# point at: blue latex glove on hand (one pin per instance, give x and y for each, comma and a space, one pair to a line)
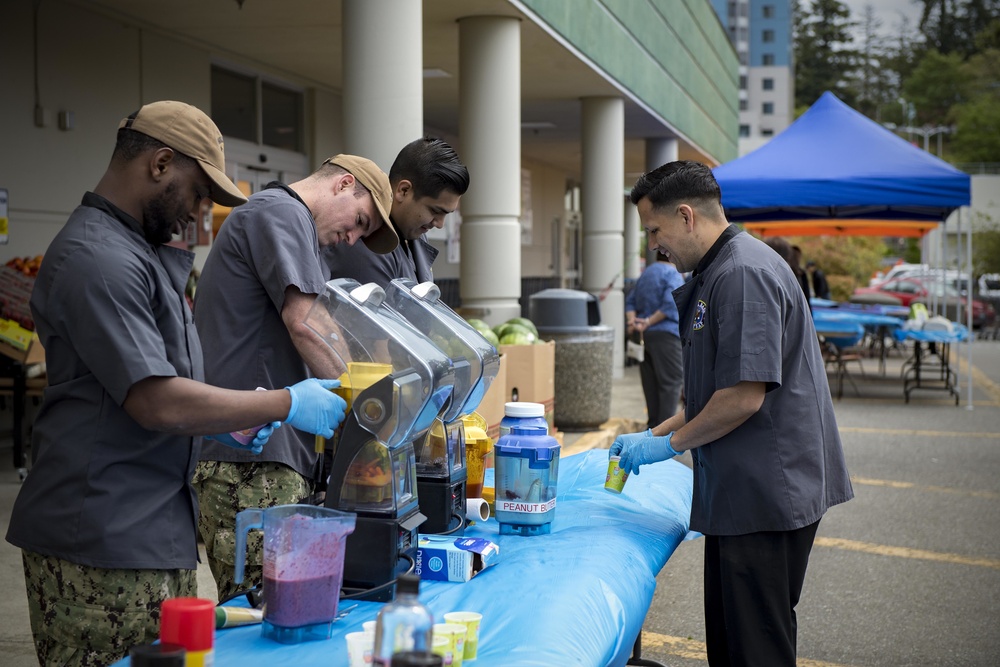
315, 409
256, 446
639, 449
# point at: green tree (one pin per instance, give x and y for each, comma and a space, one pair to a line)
937, 84
824, 59
950, 26
985, 244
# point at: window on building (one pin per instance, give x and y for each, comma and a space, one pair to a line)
767, 11
743, 82
744, 130
767, 59
732, 9
767, 36
767, 84
244, 107
744, 105
745, 10
281, 117
767, 108
744, 34
743, 57
732, 33
766, 132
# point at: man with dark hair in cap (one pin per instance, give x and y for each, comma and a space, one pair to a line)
260, 280
428, 179
107, 517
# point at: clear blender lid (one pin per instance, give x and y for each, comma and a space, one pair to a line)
369, 341
421, 305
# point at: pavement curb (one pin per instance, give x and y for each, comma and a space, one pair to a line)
603, 437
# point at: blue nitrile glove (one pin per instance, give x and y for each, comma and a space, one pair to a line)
627, 440
315, 409
256, 446
643, 450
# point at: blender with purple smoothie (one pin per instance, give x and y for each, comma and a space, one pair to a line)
303, 567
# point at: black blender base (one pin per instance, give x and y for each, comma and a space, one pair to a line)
377, 551
442, 501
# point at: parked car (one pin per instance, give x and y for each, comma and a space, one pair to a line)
924, 273
908, 291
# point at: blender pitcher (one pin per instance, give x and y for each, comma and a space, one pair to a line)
303, 567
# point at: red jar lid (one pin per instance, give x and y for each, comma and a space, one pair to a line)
189, 622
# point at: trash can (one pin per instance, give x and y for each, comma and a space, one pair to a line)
584, 356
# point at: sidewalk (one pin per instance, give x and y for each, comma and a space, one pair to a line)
883, 393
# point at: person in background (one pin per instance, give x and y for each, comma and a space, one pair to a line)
650, 311
106, 519
258, 284
787, 252
820, 288
758, 418
428, 180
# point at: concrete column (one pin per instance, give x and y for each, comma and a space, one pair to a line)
633, 241
383, 100
489, 50
658, 153
603, 146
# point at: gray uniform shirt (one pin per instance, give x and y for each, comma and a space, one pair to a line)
264, 246
410, 259
744, 318
110, 310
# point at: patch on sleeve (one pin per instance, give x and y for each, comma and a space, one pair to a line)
700, 310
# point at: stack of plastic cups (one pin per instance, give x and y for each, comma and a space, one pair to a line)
190, 622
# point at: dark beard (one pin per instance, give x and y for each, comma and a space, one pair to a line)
158, 218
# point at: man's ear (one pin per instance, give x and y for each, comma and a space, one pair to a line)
159, 161
687, 213
345, 182
403, 188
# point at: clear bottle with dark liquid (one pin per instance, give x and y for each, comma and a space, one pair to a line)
404, 624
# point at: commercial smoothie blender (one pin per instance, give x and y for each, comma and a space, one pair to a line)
396, 383
440, 456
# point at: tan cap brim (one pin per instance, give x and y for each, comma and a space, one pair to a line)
224, 191
384, 239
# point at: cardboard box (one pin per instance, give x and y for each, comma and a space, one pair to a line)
446, 558
20, 344
491, 407
531, 371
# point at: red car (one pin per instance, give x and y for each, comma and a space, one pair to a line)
907, 291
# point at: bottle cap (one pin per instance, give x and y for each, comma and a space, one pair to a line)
408, 583
416, 659
189, 622
157, 655
522, 409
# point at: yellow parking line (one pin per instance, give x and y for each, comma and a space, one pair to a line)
917, 432
694, 650
904, 552
893, 484
979, 379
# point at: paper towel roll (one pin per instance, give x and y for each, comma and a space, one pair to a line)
477, 509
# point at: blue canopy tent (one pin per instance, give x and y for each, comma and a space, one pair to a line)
835, 172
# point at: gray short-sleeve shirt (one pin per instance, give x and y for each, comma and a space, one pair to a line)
109, 309
744, 318
264, 246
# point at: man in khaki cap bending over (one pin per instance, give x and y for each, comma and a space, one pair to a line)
259, 282
107, 517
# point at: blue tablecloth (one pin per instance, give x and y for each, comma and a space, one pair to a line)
575, 597
958, 334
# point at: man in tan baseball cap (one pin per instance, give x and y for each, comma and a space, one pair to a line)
189, 130
259, 282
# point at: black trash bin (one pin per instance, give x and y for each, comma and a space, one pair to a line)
584, 356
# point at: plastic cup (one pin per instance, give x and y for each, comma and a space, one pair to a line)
471, 620
369, 626
615, 481
441, 645
456, 638
360, 648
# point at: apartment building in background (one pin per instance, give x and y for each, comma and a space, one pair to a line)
761, 33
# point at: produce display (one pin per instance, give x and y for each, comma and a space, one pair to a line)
515, 331
16, 283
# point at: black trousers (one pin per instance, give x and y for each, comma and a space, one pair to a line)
662, 375
752, 584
